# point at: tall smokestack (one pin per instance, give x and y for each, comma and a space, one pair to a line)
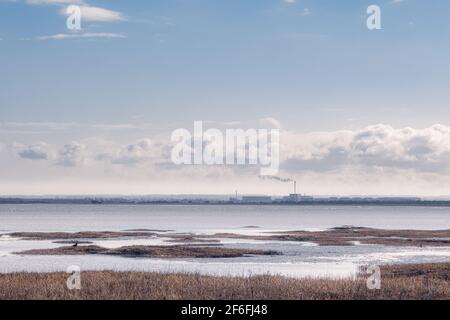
295, 187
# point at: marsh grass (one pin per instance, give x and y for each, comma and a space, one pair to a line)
176, 251
398, 282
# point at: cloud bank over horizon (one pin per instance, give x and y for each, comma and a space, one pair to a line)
377, 159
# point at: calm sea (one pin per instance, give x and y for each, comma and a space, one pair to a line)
206, 218
297, 259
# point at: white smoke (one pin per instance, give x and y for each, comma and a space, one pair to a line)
276, 178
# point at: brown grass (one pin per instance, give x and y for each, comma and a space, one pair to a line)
346, 236
80, 235
175, 251
398, 282
342, 236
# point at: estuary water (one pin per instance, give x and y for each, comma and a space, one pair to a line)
298, 259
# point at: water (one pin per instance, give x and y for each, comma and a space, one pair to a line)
298, 259
205, 218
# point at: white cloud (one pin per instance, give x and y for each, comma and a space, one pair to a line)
378, 159
142, 151
89, 13
379, 146
38, 151
289, 1
72, 154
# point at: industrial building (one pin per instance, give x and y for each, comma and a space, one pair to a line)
291, 198
296, 197
257, 199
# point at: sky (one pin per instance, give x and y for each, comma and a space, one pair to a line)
360, 112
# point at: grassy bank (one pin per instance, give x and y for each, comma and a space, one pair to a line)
430, 281
175, 251
341, 236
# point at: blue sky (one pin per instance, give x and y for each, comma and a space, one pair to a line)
230, 60
312, 65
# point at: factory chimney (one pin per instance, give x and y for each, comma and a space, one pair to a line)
295, 187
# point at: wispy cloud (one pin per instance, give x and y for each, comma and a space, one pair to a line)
49, 2
26, 127
88, 35
88, 12
305, 12
270, 122
97, 14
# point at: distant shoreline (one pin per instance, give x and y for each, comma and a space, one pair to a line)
316, 202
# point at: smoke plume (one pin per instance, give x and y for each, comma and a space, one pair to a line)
276, 178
